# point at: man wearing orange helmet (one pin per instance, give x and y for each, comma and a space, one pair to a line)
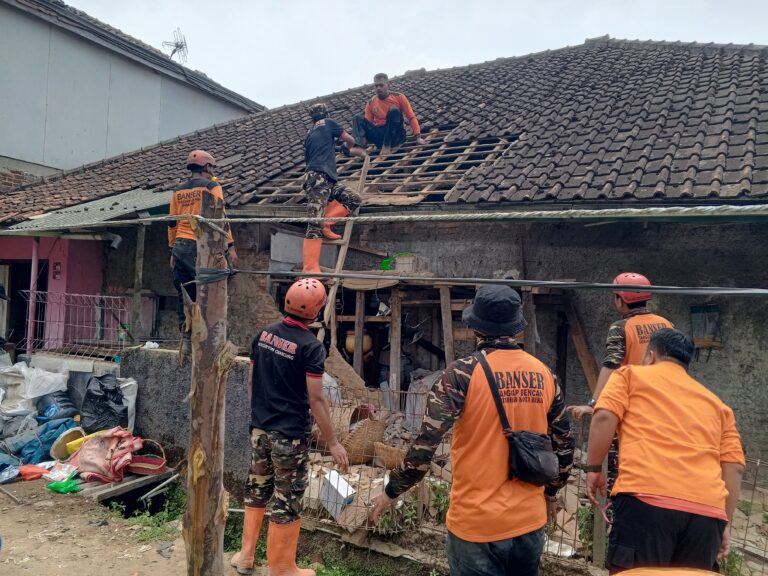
286, 383
187, 199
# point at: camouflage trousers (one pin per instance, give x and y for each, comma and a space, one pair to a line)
278, 476
320, 190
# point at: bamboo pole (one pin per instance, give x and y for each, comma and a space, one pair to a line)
212, 356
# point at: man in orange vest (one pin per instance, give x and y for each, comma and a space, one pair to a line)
382, 123
495, 525
186, 199
681, 461
626, 343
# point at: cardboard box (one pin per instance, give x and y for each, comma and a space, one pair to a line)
335, 493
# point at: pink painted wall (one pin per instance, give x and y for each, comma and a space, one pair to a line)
74, 267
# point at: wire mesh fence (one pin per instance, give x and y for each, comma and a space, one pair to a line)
76, 324
749, 529
376, 427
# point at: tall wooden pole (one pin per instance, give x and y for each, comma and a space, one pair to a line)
212, 356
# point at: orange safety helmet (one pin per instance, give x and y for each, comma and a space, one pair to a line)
630, 297
200, 158
305, 298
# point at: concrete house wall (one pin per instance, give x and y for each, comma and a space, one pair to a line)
68, 102
674, 254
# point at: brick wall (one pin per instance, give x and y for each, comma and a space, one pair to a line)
11, 178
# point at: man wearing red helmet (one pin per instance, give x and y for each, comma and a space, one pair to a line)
627, 338
286, 383
187, 199
625, 345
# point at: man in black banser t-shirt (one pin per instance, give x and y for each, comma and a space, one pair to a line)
326, 196
286, 384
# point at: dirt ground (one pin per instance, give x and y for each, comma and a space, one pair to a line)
64, 535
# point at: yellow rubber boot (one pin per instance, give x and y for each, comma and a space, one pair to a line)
243, 561
311, 254
334, 208
282, 541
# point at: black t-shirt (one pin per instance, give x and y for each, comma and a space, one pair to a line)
320, 149
283, 354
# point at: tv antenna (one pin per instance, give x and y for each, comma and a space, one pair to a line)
178, 46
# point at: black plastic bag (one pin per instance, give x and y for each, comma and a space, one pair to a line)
56, 405
103, 407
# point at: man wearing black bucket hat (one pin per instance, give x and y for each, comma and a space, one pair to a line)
495, 524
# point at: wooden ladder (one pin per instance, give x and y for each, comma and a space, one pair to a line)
343, 245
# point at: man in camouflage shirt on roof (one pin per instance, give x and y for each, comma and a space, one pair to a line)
495, 525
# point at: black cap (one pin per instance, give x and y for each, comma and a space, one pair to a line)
495, 311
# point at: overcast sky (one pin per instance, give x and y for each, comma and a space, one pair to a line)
281, 51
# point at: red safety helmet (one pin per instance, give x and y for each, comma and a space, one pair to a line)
305, 298
200, 158
629, 297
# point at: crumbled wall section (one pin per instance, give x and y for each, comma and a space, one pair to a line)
668, 253
251, 306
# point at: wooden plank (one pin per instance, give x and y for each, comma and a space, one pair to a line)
446, 314
101, 492
395, 341
353, 318
138, 280
331, 304
357, 362
465, 334
586, 359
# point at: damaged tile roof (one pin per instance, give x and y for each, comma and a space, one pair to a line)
606, 121
70, 18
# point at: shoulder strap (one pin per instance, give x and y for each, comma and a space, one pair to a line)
506, 428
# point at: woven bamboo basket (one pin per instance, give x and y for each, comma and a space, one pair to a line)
389, 457
359, 443
341, 418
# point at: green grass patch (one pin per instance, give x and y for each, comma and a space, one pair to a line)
745, 507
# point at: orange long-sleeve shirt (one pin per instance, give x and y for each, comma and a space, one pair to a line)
186, 199
376, 110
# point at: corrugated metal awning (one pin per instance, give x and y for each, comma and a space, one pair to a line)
91, 213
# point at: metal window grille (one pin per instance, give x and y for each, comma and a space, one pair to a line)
76, 324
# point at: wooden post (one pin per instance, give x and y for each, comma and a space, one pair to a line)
138, 281
212, 356
357, 362
395, 338
586, 359
531, 331
447, 318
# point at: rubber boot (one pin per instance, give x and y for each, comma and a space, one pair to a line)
311, 254
282, 541
243, 561
333, 209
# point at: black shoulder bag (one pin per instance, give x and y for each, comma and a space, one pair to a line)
531, 458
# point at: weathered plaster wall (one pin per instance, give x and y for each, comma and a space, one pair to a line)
163, 414
675, 254
250, 306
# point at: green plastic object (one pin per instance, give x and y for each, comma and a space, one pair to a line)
386, 264
66, 486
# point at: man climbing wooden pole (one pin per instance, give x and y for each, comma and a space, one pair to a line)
212, 356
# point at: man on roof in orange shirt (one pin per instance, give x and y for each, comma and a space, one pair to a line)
680, 464
626, 343
382, 123
186, 199
495, 524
